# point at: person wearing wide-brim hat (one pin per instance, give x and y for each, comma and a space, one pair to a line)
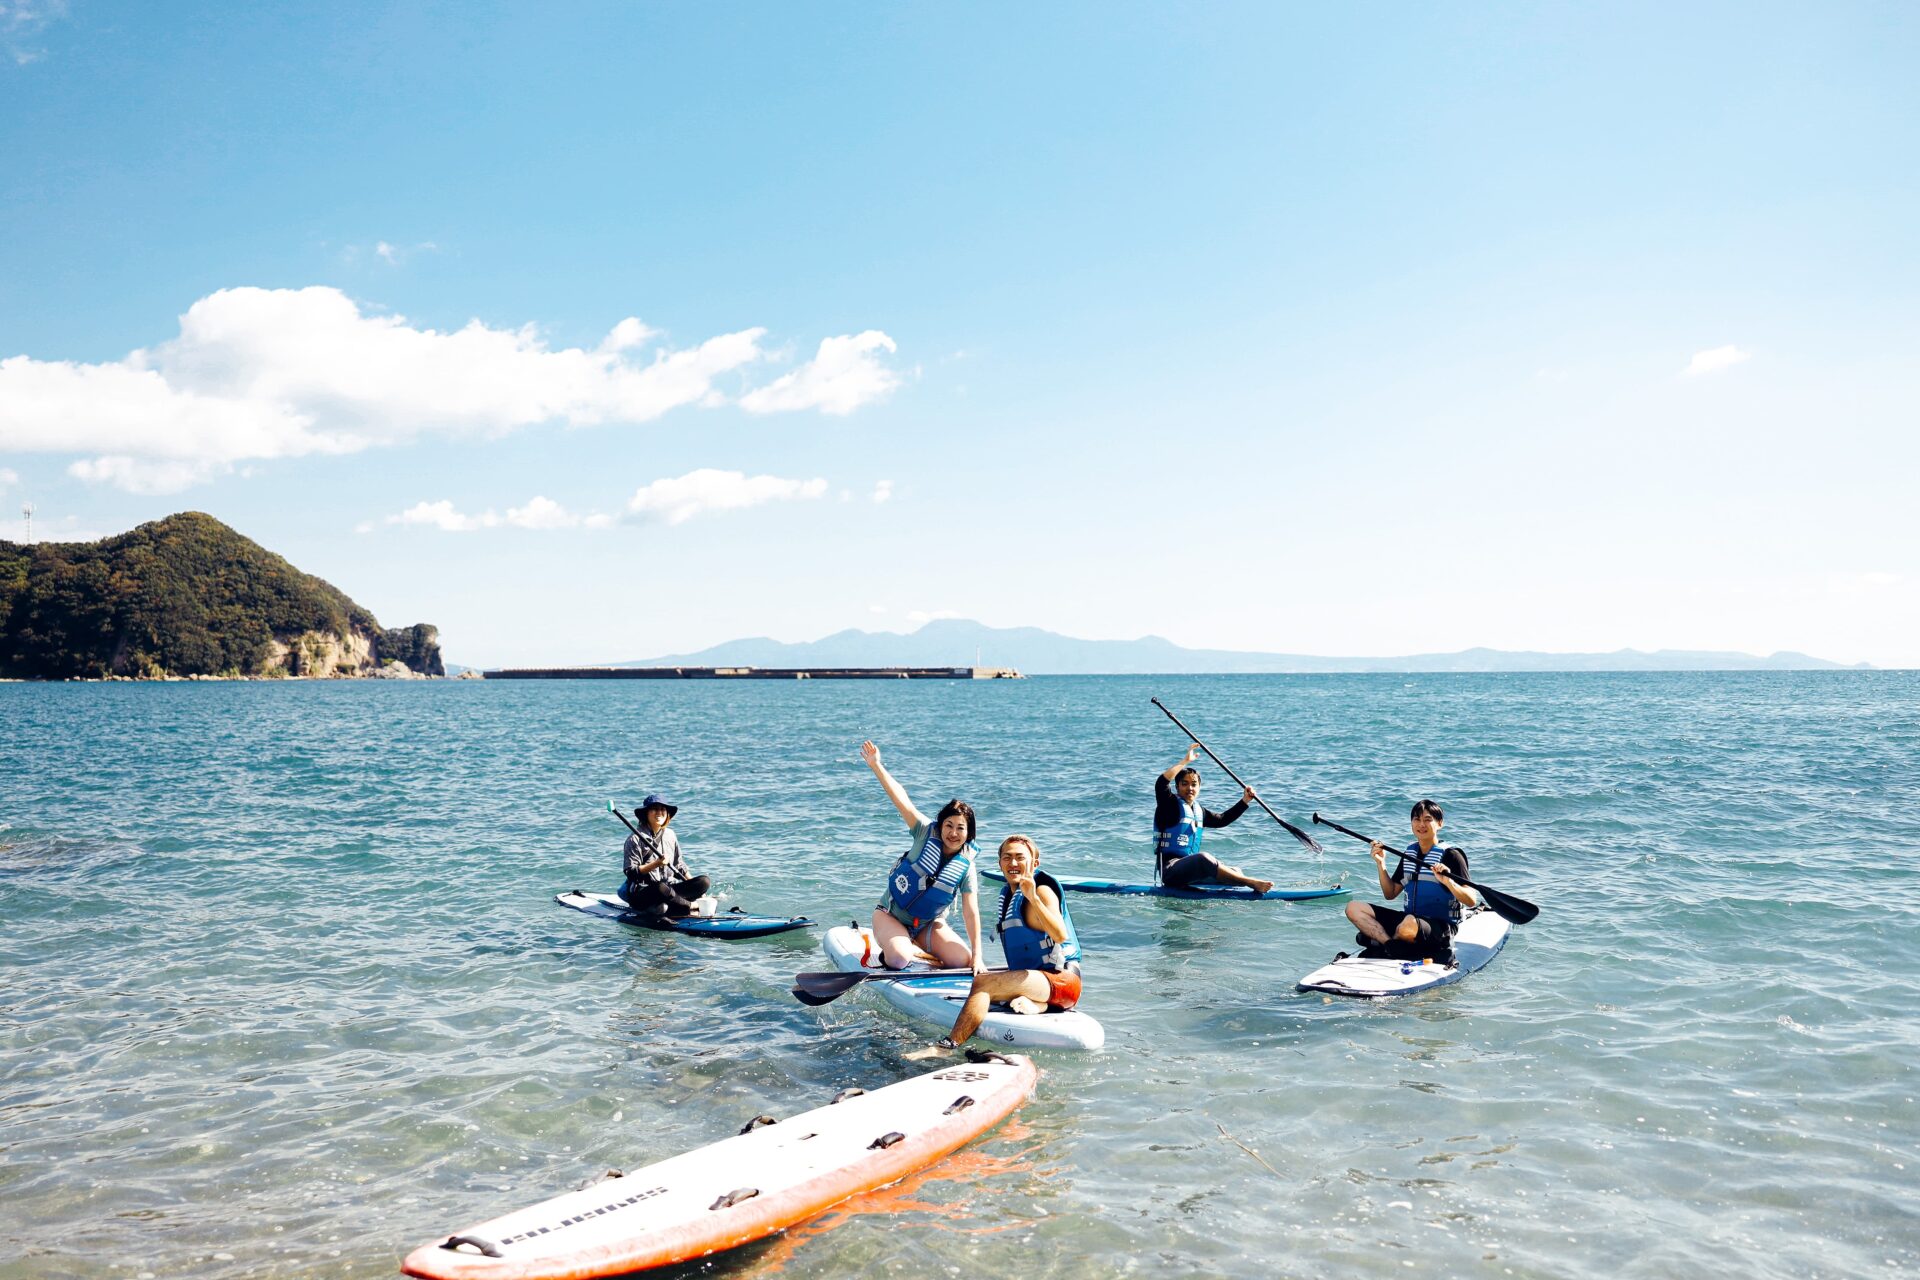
657, 875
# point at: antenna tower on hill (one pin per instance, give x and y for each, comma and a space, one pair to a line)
27, 511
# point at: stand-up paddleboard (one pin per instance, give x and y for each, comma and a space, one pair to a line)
732, 924
935, 1002
1478, 939
1233, 892
771, 1176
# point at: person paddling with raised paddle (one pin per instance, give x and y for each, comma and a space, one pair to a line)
1430, 875
1042, 946
1179, 822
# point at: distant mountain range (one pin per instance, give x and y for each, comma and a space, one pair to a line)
957, 642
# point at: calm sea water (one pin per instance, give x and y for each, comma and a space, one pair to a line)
283, 991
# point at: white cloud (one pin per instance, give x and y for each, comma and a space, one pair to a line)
21, 21
144, 475
883, 490
1865, 582
8, 479
441, 515
394, 254
285, 373
542, 513
678, 500
1716, 360
843, 375
539, 513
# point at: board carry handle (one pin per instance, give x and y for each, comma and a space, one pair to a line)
758, 1122
960, 1103
486, 1247
886, 1140
733, 1198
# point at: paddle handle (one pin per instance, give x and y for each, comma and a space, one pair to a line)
623, 818
1345, 831
1296, 832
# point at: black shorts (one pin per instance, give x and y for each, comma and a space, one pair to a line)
1195, 868
1436, 936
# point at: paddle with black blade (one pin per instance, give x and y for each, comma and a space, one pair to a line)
1505, 905
828, 986
1292, 830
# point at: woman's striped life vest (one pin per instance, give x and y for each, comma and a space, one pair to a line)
921, 886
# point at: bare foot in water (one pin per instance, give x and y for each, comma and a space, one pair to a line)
1260, 886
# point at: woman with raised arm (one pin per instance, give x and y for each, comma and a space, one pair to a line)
937, 868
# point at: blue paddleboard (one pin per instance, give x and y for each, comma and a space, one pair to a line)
734, 924
1238, 893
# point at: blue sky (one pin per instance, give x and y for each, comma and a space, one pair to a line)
624, 329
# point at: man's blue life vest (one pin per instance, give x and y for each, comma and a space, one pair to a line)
1031, 948
920, 886
1183, 837
1426, 896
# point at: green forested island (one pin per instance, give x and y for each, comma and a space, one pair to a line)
187, 596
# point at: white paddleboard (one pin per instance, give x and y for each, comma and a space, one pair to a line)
740, 1189
935, 1002
1479, 938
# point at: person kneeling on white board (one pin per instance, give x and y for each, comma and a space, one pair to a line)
1428, 873
657, 877
1043, 949
936, 872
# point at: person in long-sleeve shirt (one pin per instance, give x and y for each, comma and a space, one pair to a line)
1179, 822
657, 878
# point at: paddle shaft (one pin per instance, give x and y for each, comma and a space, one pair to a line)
1508, 907
1292, 830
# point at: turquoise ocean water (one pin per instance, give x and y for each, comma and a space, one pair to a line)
283, 991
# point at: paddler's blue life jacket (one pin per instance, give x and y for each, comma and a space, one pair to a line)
920, 886
1426, 896
1031, 948
1183, 837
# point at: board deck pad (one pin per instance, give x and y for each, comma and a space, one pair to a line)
935, 1002
765, 1179
731, 924
1478, 940
1202, 893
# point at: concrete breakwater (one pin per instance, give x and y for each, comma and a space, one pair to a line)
754, 673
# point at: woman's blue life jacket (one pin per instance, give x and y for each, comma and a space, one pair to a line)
1183, 837
1031, 948
1426, 896
920, 886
